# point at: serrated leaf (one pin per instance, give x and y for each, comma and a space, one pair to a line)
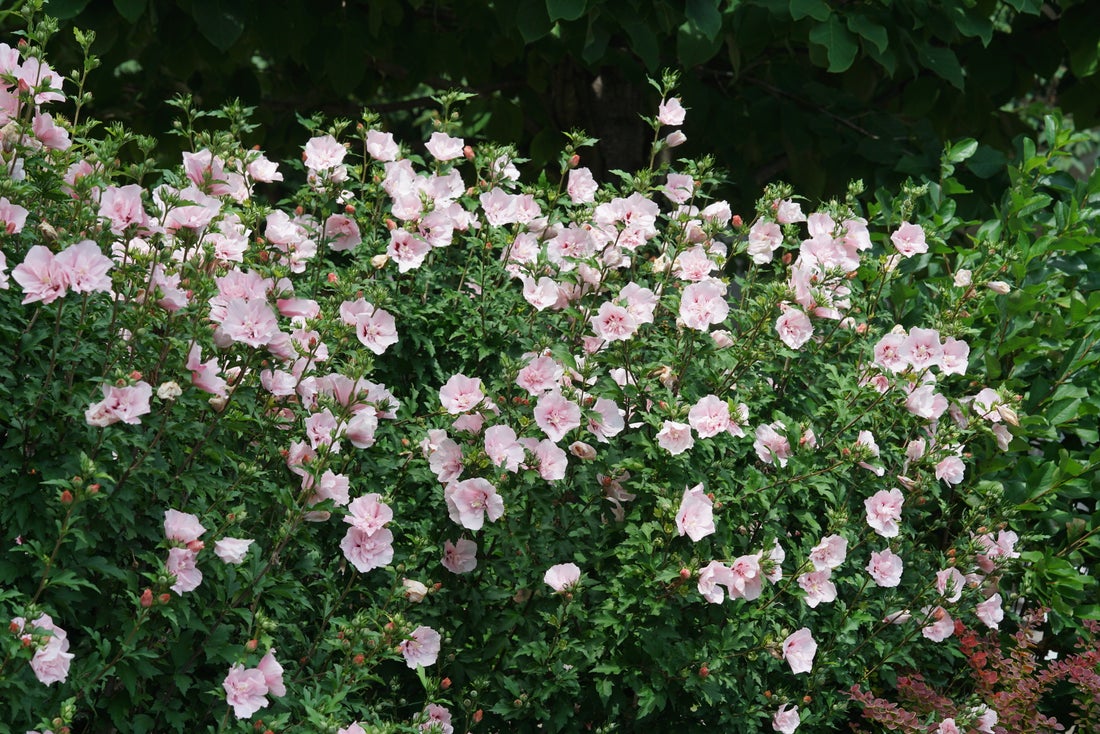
838, 41
564, 9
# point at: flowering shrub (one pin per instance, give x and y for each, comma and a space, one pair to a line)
423, 447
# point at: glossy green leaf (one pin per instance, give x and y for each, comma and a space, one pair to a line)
816, 9
564, 9
838, 41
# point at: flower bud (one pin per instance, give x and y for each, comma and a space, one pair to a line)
251, 645
574, 161
379, 261
737, 221
147, 598
468, 152
675, 139
164, 598
685, 574
66, 497
445, 683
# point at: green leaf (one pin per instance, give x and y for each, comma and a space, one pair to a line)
131, 10
838, 41
816, 9
564, 9
642, 41
962, 150
944, 63
217, 24
65, 9
532, 20
704, 15
1062, 411
693, 47
869, 30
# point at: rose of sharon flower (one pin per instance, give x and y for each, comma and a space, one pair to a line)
273, 673
786, 719
461, 394
884, 511
940, 626
556, 415
181, 563
438, 721
422, 647
367, 551
696, 516
799, 650
460, 557
182, 526
675, 437
794, 328
52, 658
909, 239
245, 690
232, 550
471, 500
562, 577
885, 568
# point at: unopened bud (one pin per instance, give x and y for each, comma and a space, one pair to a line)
998, 286
251, 645
147, 598
66, 497
468, 152
164, 598
737, 221
574, 160
685, 574
445, 683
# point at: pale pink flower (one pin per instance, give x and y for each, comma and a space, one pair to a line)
352, 728
771, 446
407, 250
710, 416
582, 450
884, 511
818, 587
696, 515
414, 590
12, 216
245, 690
939, 626
922, 348
376, 330
951, 470
776, 556
181, 564
331, 486
582, 186
446, 460
613, 323
360, 428
675, 139
470, 501
443, 147
909, 239
947, 726
542, 294
675, 437
552, 460
639, 301
438, 720
711, 578
679, 188
949, 583
502, 447
671, 112
324, 152
703, 305
986, 719
885, 568
205, 375
182, 526
889, 354
422, 647
693, 264
232, 550
956, 354
368, 513
40, 276
748, 577
342, 233
608, 420
799, 649
461, 394
794, 328
273, 673
786, 719
788, 211
250, 321
764, 239
459, 557
123, 404
367, 551
562, 577
556, 415
381, 146
925, 402
999, 287
261, 169
51, 661
829, 553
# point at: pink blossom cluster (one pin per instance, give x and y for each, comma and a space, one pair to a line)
51, 659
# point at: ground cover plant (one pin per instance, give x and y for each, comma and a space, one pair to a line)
426, 446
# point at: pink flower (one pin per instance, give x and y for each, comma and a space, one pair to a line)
788, 211
182, 526
885, 568
461, 394
245, 690
949, 583
250, 321
367, 551
540, 375
951, 470
675, 138
551, 459
123, 404
562, 577
40, 276
608, 420
556, 415
232, 550
889, 354
671, 112
922, 348
613, 323
422, 647
747, 577
582, 186
52, 658
764, 239
368, 513
786, 719
956, 354
323, 153
940, 626
342, 232
12, 216
909, 239
884, 511
376, 330
205, 375
407, 250
446, 460
771, 446
829, 553
460, 557
818, 587
799, 650
990, 611
181, 564
381, 146
438, 721
710, 416
925, 402
794, 328
711, 578
469, 502
696, 515
703, 304
675, 437
947, 726
502, 448
273, 673
443, 147
352, 728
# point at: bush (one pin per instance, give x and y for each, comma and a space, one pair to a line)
420, 444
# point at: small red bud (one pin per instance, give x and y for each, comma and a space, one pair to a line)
333, 278
445, 683
685, 574
195, 546
704, 671
299, 210
251, 645
574, 160
93, 488
737, 221
13, 627
390, 224
349, 208
478, 715
807, 699
135, 375
66, 497
786, 258
468, 152
147, 598
164, 598
359, 659
767, 694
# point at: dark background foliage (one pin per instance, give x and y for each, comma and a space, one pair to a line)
815, 92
